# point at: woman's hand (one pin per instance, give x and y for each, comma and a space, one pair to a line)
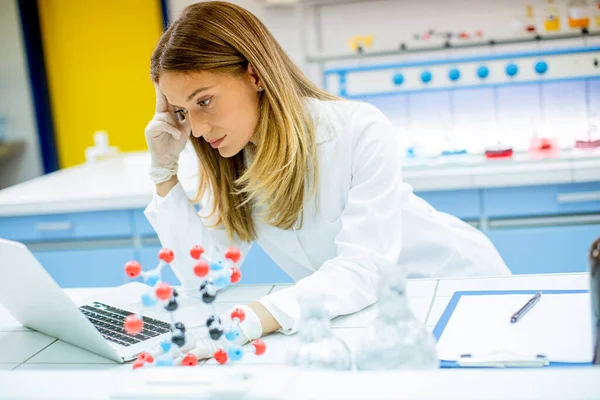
166, 140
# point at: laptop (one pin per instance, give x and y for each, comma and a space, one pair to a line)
34, 298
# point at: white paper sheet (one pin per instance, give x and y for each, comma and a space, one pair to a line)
558, 326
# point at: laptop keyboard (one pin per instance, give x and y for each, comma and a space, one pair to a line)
109, 322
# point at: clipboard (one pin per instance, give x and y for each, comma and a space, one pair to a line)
500, 358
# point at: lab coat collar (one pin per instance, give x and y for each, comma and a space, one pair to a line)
324, 131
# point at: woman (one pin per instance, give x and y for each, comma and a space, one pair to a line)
315, 180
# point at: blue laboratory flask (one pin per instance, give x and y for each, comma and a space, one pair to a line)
396, 340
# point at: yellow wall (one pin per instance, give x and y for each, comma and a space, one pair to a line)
97, 58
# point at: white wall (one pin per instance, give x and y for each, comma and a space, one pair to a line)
16, 102
391, 22
283, 22
325, 30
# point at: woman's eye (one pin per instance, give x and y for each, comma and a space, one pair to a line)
205, 102
180, 114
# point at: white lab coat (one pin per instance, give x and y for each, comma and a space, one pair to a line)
367, 220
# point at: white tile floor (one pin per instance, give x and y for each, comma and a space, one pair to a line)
9, 324
414, 287
277, 288
418, 305
437, 309
420, 287
243, 293
38, 351
17, 347
61, 352
279, 346
73, 366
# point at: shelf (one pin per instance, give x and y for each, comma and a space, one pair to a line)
427, 49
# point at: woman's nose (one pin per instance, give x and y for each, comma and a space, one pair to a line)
199, 128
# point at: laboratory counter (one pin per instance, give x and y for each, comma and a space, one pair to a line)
123, 182
63, 371
541, 214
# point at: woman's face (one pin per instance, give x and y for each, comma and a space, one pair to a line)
222, 109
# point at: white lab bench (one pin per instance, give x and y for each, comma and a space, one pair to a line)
64, 371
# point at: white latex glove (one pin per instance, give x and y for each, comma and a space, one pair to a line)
166, 139
199, 343
204, 347
251, 328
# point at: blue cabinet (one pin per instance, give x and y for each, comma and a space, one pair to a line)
464, 204
542, 200
141, 225
545, 249
84, 225
98, 267
89, 249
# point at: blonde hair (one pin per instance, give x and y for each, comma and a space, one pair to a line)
223, 37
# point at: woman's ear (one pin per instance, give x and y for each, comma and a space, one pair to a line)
254, 79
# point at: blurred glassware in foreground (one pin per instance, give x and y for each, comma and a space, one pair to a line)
317, 347
396, 339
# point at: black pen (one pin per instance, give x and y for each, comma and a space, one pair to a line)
528, 306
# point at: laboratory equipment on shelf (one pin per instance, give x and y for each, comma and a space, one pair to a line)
452, 147
396, 339
530, 23
359, 43
552, 18
499, 150
592, 141
101, 150
579, 17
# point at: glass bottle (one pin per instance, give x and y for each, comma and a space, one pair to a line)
396, 339
317, 347
578, 14
552, 21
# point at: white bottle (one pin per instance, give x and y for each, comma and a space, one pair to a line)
101, 150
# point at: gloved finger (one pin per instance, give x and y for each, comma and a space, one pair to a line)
158, 126
161, 101
203, 350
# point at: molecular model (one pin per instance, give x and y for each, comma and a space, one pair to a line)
215, 275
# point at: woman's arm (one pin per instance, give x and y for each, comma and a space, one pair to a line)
269, 323
180, 227
163, 188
